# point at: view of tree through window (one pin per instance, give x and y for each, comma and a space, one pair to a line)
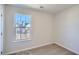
23, 27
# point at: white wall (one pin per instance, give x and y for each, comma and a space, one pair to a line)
41, 29
67, 29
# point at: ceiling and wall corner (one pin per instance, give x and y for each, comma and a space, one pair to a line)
49, 8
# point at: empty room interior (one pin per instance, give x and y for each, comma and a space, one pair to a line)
39, 29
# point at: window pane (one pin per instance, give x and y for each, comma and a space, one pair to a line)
22, 26
23, 36
17, 30
17, 36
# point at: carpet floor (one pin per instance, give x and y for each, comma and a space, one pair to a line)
52, 49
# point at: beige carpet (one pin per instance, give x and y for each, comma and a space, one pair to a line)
52, 49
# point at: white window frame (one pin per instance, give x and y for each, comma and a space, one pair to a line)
30, 28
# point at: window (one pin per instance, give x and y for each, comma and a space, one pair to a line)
23, 26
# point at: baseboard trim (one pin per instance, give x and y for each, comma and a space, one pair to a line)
29, 48
67, 48
41, 46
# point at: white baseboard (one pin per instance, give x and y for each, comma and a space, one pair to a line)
67, 48
29, 48
41, 46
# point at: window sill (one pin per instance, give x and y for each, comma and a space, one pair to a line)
22, 40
